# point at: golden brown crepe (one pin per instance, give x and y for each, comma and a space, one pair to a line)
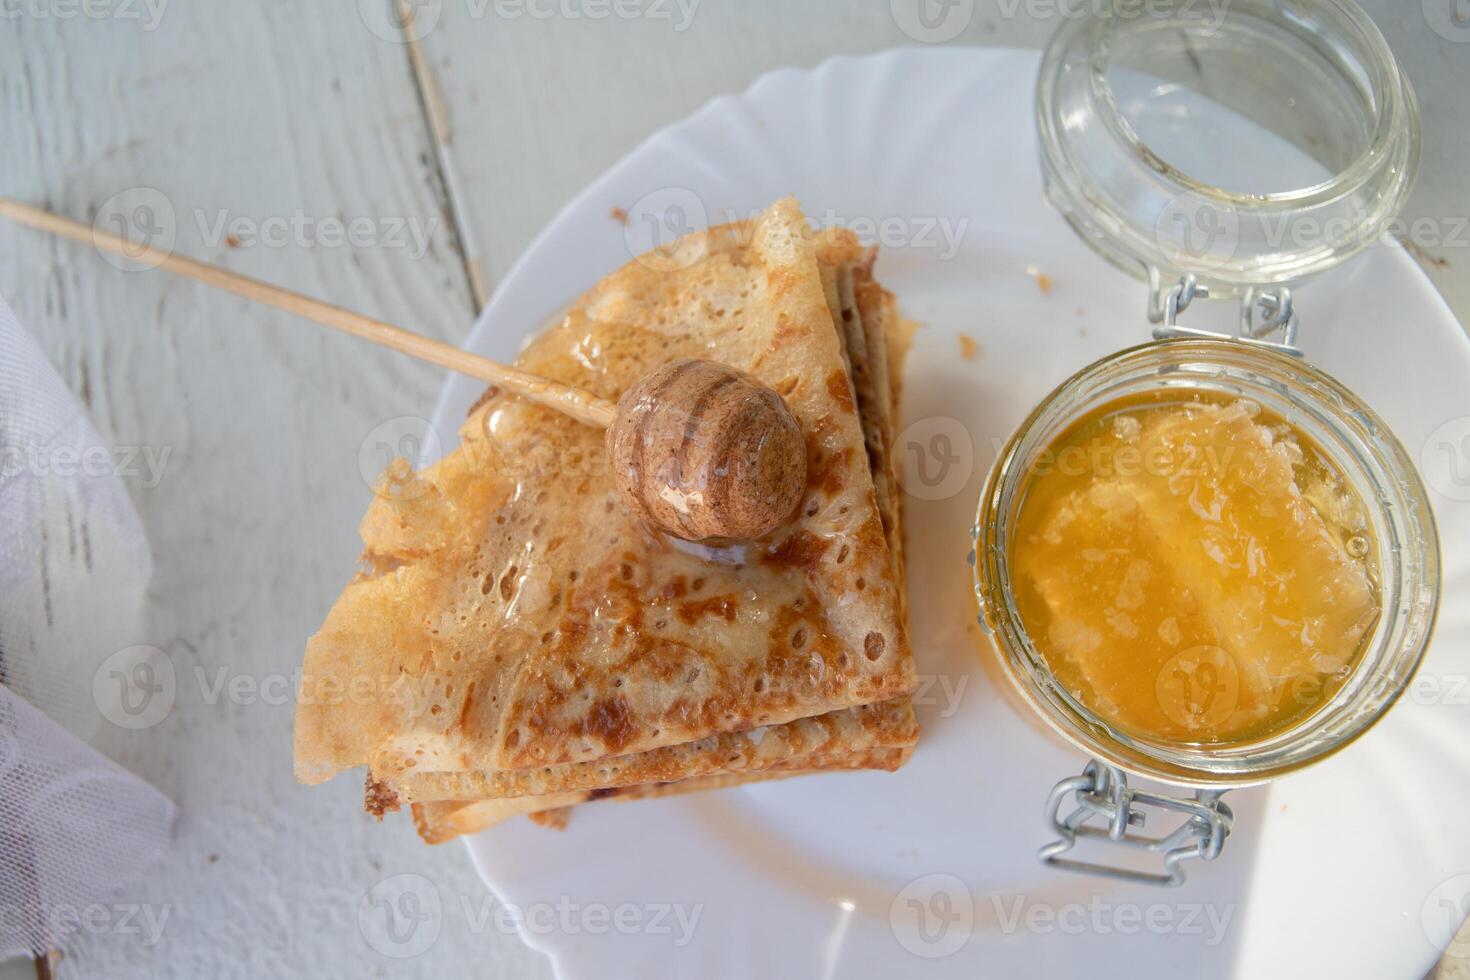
842, 259
895, 726
513, 617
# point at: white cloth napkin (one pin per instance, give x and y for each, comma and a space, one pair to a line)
74, 826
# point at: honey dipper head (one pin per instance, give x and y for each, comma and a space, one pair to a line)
702, 451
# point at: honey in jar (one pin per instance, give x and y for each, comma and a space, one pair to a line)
1192, 568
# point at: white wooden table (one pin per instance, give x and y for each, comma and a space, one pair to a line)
273, 132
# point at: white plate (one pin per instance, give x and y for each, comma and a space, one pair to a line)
1357, 867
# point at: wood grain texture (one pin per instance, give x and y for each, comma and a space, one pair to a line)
253, 111
262, 110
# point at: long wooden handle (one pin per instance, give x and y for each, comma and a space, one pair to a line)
579, 404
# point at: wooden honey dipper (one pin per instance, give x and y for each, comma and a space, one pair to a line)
698, 449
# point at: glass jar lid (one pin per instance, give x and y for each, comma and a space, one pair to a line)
1250, 145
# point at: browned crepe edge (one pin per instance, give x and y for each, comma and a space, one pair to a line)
889, 724
437, 823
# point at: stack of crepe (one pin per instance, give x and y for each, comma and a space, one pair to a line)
517, 642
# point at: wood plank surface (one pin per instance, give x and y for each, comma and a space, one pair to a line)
283, 125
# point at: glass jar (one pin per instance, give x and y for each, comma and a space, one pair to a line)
1306, 147
1225, 151
1359, 446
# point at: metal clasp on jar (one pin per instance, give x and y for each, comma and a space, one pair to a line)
1102, 792
1262, 313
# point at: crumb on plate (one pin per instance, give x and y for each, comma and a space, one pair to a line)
1043, 281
